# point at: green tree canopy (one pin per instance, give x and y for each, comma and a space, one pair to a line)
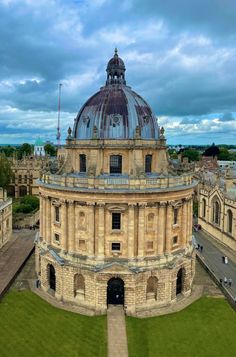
213, 150
224, 154
191, 154
50, 149
7, 150
25, 149
5, 171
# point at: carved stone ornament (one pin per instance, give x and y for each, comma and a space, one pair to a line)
115, 119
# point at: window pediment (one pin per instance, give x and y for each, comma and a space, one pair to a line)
116, 209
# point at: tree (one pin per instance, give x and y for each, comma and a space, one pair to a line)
50, 149
25, 149
8, 150
191, 154
213, 150
5, 171
224, 154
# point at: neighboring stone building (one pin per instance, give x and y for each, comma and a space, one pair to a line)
116, 222
26, 172
39, 148
217, 205
5, 217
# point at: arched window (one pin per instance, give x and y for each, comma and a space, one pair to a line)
216, 212
79, 286
51, 277
203, 207
148, 163
115, 164
151, 292
229, 221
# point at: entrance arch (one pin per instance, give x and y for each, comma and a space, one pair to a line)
115, 291
52, 277
179, 282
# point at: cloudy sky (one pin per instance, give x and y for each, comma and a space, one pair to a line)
179, 55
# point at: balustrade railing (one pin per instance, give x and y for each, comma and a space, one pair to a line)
118, 182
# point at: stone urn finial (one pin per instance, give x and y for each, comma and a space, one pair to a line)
69, 131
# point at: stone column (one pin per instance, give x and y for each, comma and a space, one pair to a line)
49, 223
44, 213
184, 224
41, 215
169, 223
131, 230
91, 227
101, 229
188, 221
71, 226
141, 228
63, 225
161, 227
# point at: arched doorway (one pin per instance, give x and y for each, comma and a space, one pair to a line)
115, 291
52, 277
179, 282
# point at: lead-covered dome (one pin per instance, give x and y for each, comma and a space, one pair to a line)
116, 111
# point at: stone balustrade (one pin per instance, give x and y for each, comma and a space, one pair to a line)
158, 182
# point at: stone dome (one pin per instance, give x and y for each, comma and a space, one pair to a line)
116, 111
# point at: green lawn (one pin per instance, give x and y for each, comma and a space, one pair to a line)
29, 326
207, 328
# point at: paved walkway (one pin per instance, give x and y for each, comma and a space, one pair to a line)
13, 255
116, 330
212, 255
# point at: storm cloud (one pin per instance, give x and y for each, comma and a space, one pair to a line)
181, 59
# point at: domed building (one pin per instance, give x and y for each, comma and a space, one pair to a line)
116, 220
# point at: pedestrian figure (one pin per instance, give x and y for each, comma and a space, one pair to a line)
226, 260
201, 248
198, 246
230, 282
221, 281
223, 259
225, 280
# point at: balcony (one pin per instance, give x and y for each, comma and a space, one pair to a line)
107, 182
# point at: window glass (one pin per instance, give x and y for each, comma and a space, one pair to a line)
115, 220
115, 164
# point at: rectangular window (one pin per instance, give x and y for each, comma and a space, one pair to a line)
25, 178
57, 237
148, 163
115, 164
175, 215
115, 247
82, 163
175, 240
116, 220
57, 214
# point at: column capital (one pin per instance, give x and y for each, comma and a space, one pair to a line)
90, 203
162, 203
101, 204
132, 205
142, 204
62, 201
71, 202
